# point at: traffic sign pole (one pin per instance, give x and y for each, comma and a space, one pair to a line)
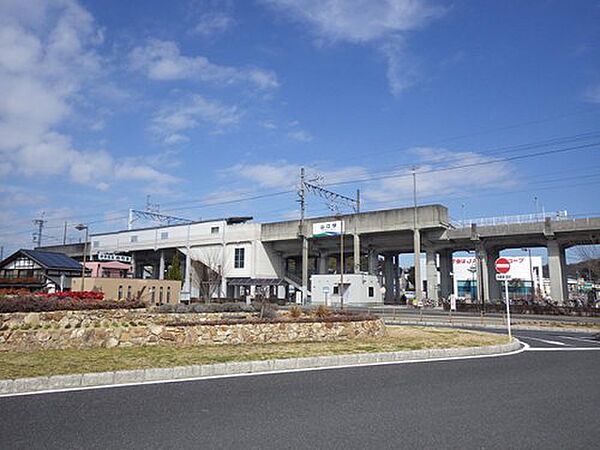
507, 309
502, 274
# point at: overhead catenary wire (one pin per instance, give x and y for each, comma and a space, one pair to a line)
207, 204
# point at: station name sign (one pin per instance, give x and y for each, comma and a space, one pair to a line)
325, 229
102, 256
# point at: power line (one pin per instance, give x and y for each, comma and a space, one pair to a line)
205, 204
464, 166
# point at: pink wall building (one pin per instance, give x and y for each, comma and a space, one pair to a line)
109, 269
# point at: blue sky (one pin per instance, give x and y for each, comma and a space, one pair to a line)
197, 103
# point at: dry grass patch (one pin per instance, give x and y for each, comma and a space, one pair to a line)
55, 362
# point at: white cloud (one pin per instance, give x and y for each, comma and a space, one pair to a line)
49, 62
213, 24
480, 173
300, 136
592, 94
268, 124
284, 175
163, 61
132, 170
358, 20
402, 69
266, 175
191, 113
381, 23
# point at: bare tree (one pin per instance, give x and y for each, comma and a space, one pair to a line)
589, 257
210, 272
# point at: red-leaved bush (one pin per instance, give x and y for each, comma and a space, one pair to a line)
72, 301
80, 295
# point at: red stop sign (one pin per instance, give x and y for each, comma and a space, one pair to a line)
502, 265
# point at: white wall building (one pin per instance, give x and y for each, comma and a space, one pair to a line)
528, 272
227, 252
359, 289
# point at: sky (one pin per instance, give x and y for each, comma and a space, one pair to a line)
211, 107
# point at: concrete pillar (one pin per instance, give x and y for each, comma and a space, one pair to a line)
322, 263
223, 287
161, 266
388, 273
133, 266
445, 271
396, 263
432, 278
356, 248
304, 269
491, 288
556, 268
373, 261
186, 290
418, 277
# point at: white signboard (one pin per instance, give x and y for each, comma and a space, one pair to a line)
113, 257
325, 229
503, 277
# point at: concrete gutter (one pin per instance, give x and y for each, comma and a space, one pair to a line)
23, 386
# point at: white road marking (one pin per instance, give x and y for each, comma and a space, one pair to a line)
545, 341
580, 339
560, 349
524, 346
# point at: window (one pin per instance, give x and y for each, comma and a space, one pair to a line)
336, 289
96, 244
164, 235
214, 230
169, 294
120, 293
371, 291
238, 259
160, 296
133, 239
128, 292
152, 294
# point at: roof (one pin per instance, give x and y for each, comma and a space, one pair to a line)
50, 260
108, 265
229, 220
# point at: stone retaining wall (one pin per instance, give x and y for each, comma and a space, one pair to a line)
104, 318
134, 328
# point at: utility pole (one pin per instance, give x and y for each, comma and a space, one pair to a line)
416, 241
356, 236
39, 223
65, 233
342, 265
82, 227
302, 233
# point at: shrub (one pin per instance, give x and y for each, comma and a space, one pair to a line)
38, 303
205, 308
78, 295
295, 311
322, 311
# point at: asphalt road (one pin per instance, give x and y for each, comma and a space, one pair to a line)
541, 398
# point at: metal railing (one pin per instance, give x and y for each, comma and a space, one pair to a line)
509, 220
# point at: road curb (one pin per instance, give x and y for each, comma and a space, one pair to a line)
22, 386
495, 326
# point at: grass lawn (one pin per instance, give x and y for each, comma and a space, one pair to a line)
55, 362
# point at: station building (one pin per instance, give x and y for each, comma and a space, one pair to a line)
236, 257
